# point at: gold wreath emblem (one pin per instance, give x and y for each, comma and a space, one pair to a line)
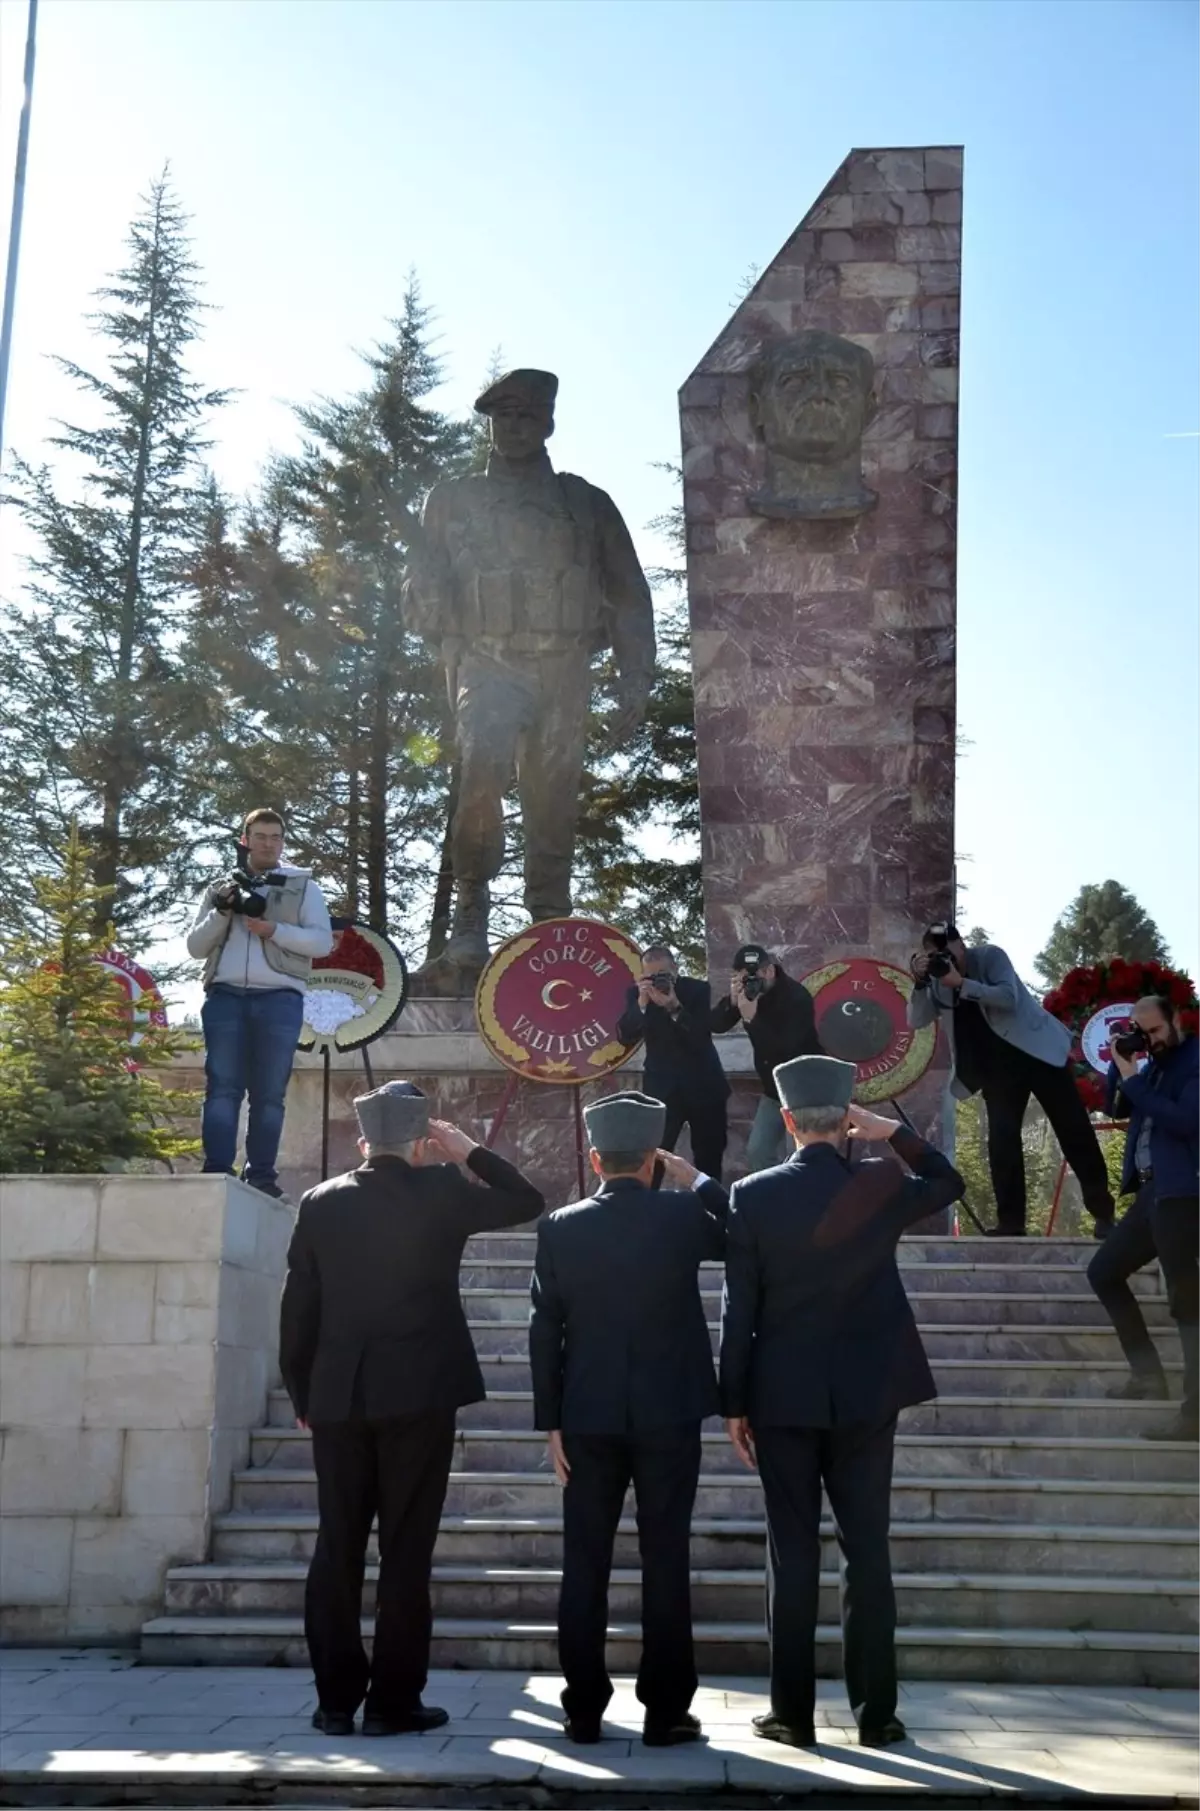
485, 1000
919, 1052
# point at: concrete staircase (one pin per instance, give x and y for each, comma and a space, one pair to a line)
1036, 1536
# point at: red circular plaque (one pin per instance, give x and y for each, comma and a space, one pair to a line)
549, 1000
861, 1008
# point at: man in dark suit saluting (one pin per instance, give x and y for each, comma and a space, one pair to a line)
819, 1353
622, 1378
376, 1357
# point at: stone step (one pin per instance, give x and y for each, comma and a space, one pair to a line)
1047, 1550
938, 1495
1002, 1416
505, 1369
510, 1276
722, 1594
516, 1246
1092, 1656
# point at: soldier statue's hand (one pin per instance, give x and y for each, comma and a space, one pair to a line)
633, 691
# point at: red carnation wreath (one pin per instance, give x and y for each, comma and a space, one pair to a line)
1080, 1000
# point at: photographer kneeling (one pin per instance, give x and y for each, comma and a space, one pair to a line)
1162, 1148
780, 1022
257, 932
1007, 1047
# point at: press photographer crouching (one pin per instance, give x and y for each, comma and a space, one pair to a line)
671, 1013
780, 1022
257, 931
1154, 1081
1007, 1047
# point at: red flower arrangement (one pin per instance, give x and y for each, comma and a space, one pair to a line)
1085, 990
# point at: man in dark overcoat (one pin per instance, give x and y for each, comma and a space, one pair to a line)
819, 1353
376, 1356
622, 1379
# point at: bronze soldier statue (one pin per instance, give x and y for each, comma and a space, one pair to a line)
522, 575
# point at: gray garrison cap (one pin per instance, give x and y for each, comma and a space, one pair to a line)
536, 387
625, 1122
393, 1115
815, 1081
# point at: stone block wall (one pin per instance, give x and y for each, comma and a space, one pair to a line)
138, 1327
824, 651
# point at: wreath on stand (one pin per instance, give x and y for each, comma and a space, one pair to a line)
1090, 1002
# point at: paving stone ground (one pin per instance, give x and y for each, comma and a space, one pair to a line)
88, 1716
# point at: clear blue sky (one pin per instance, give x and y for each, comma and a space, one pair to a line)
585, 184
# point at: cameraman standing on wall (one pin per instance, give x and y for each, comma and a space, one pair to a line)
780, 1022
1007, 1047
257, 932
671, 1012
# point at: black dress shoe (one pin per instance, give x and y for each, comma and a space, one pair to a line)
581, 1729
1005, 1232
1178, 1429
773, 1729
669, 1733
1140, 1386
407, 1723
333, 1722
891, 1731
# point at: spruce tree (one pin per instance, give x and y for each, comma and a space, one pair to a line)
327, 708
1103, 921
74, 1096
97, 704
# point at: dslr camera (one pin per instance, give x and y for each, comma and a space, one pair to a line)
662, 982
236, 893
1131, 1042
940, 961
754, 984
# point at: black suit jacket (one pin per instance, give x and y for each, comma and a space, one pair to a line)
372, 1286
816, 1329
681, 1057
618, 1341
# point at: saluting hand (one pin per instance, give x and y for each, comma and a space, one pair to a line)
682, 1173
868, 1125
456, 1145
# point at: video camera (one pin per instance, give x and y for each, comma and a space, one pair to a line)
237, 892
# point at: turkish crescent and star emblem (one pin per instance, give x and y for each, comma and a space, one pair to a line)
549, 1000
861, 1010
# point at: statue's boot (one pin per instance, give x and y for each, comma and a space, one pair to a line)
455, 973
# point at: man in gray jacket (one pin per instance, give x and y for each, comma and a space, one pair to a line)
257, 933
1007, 1047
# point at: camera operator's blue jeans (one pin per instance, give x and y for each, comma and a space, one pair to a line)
767, 1144
250, 1036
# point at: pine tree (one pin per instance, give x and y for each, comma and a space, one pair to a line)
649, 792
97, 704
72, 1099
330, 711
1101, 922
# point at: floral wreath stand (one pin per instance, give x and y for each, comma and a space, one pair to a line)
1090, 1002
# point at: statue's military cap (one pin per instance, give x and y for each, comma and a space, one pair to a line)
815, 1081
625, 1122
536, 387
393, 1115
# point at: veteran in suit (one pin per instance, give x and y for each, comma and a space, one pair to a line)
376, 1357
622, 1379
819, 1353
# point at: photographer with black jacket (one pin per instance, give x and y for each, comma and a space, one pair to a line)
671, 1013
780, 1022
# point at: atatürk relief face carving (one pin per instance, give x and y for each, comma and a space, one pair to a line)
810, 400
